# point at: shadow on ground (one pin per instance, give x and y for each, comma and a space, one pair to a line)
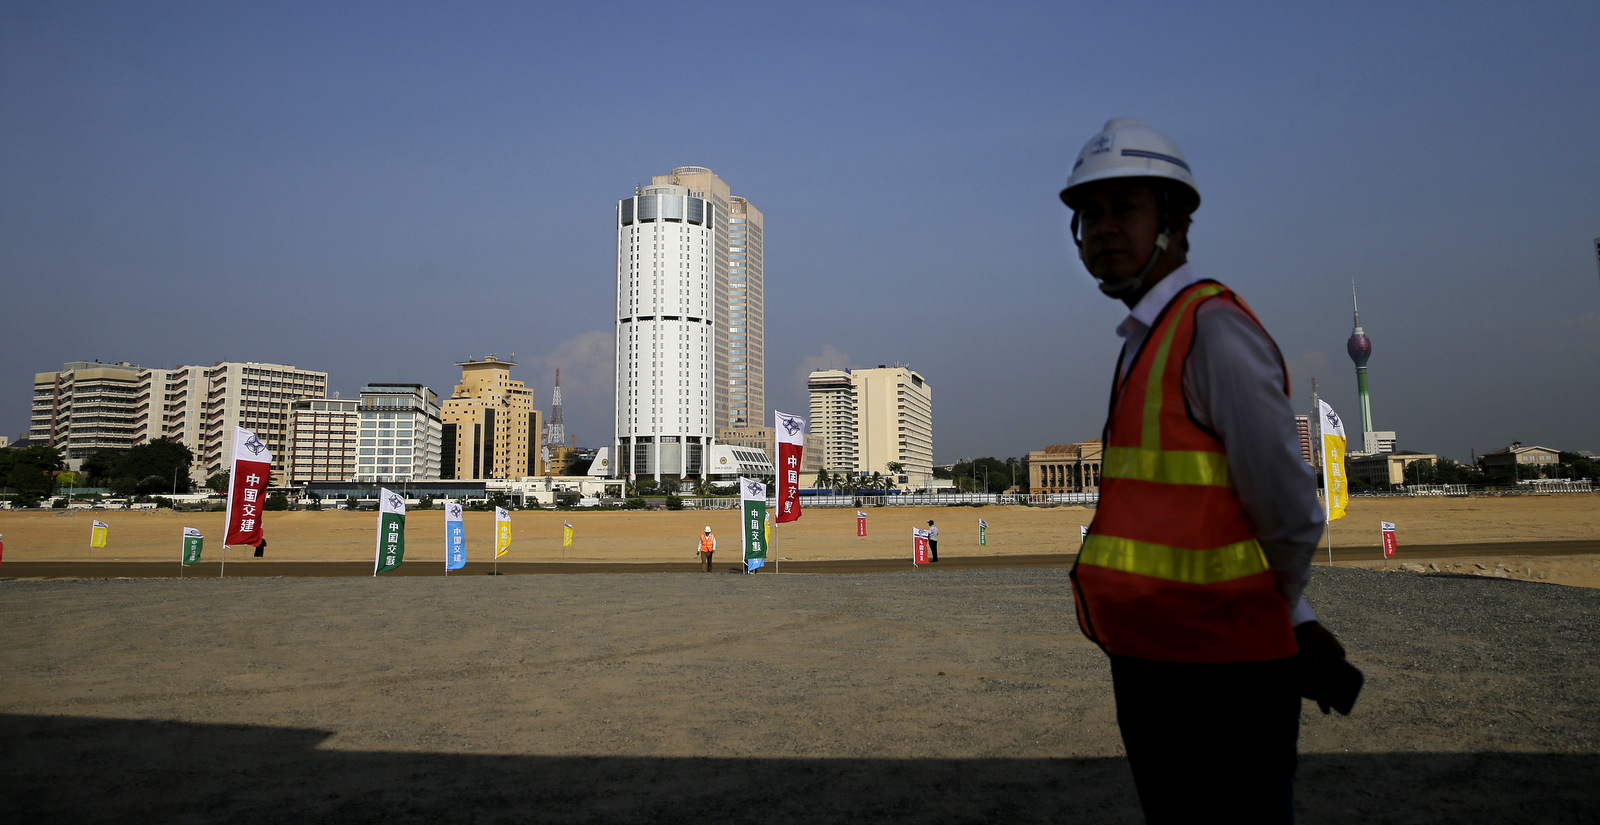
74, 769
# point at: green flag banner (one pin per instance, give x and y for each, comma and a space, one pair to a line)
192, 542
391, 532
753, 494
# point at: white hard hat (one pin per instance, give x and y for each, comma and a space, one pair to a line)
708, 528
1130, 148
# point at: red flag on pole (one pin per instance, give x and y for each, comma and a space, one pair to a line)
790, 433
247, 489
1389, 543
919, 546
861, 524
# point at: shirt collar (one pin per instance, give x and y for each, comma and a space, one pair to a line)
1144, 313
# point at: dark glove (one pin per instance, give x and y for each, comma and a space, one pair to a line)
1323, 674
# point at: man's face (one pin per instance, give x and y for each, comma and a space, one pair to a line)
1118, 222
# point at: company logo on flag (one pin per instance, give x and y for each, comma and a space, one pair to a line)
790, 433
455, 537
97, 533
753, 497
1389, 543
391, 532
1337, 487
247, 489
502, 532
192, 544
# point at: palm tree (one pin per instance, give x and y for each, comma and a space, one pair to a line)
822, 481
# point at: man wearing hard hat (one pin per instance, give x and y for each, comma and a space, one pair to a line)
1191, 575
708, 545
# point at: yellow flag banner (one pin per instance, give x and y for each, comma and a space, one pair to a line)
97, 534
1333, 476
502, 532
566, 534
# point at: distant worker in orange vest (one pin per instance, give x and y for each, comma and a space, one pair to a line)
1192, 572
708, 545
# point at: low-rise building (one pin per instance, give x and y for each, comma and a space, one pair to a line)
1387, 469
1066, 468
1501, 465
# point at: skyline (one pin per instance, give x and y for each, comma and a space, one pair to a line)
397, 188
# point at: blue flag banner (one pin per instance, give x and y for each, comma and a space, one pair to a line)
455, 537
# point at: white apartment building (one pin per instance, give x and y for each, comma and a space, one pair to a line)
322, 439
738, 282
871, 418
400, 433
666, 328
171, 405
84, 407
256, 397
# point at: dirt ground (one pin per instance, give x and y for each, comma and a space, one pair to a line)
1430, 530
928, 696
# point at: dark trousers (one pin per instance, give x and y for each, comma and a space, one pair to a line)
933, 550
1210, 742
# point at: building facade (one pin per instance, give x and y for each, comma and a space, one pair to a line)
1066, 468
171, 405
765, 439
401, 433
322, 440
490, 427
256, 397
666, 333
738, 283
1501, 465
869, 419
84, 407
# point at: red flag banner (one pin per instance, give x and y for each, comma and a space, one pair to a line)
790, 433
1389, 543
919, 546
247, 489
861, 524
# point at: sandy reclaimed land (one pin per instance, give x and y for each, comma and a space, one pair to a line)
929, 696
1451, 533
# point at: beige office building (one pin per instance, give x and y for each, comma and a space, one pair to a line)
322, 441
171, 405
84, 407
256, 397
868, 419
491, 427
738, 284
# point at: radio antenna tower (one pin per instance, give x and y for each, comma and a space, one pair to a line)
555, 432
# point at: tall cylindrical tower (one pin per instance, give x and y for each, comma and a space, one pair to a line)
665, 333
1360, 348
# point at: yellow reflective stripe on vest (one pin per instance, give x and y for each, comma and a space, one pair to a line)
1150, 435
1167, 466
1219, 564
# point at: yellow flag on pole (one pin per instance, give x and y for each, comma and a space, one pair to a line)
502, 532
1333, 475
97, 534
566, 534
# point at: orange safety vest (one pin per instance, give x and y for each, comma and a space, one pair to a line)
708, 543
1171, 570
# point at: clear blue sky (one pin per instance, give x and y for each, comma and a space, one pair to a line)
380, 190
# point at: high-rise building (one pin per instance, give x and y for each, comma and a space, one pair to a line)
322, 439
256, 397
171, 405
666, 332
738, 278
84, 407
491, 428
833, 417
872, 418
401, 433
